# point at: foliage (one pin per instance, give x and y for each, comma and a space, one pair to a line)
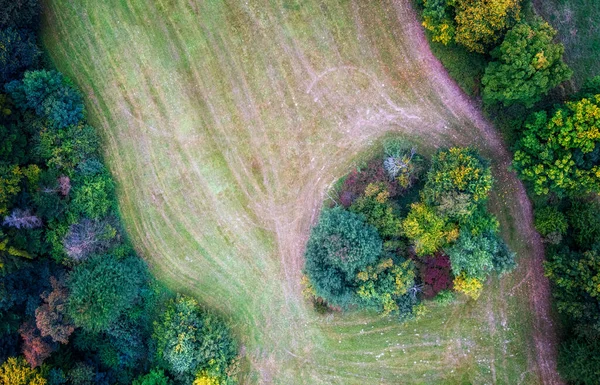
458, 170
583, 217
102, 288
380, 286
468, 285
81, 374
402, 163
378, 211
204, 378
340, 245
10, 178
561, 153
51, 318
35, 348
526, 66
503, 259
155, 377
435, 274
49, 95
473, 255
66, 148
15, 371
579, 361
18, 52
480, 23
357, 181
426, 229
550, 223
88, 237
576, 279
93, 196
189, 340
19, 13
437, 18
445, 297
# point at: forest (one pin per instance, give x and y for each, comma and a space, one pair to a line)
77, 305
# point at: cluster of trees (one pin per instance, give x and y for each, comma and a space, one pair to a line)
524, 63
400, 234
77, 305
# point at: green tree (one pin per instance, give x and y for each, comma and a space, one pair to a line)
579, 361
65, 149
551, 223
340, 245
19, 13
473, 255
481, 23
155, 377
102, 288
584, 220
93, 196
526, 66
561, 153
378, 211
457, 170
18, 52
189, 340
427, 230
49, 95
438, 19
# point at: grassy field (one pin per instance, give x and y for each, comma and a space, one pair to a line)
224, 124
578, 25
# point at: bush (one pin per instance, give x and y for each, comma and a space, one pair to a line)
526, 66
48, 94
340, 245
102, 288
468, 285
357, 181
445, 297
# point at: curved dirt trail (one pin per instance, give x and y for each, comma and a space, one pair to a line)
226, 123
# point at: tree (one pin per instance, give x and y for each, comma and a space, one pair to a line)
189, 340
378, 211
18, 52
10, 179
155, 377
340, 245
65, 149
380, 286
93, 196
561, 153
480, 23
49, 95
81, 374
35, 348
357, 181
427, 231
579, 361
550, 223
473, 255
470, 286
88, 237
19, 13
583, 217
15, 371
51, 318
436, 275
102, 288
402, 163
22, 219
576, 278
438, 19
526, 66
458, 170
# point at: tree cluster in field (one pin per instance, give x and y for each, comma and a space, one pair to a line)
524, 63
406, 229
77, 305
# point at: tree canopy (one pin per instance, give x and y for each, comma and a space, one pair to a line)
525, 66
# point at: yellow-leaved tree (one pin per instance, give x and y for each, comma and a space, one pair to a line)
16, 371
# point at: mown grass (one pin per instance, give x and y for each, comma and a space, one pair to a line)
578, 25
225, 122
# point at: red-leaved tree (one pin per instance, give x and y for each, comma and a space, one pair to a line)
436, 274
35, 348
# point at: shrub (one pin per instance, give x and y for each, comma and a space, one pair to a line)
526, 66
340, 245
102, 288
445, 297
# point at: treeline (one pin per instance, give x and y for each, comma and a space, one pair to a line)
404, 230
77, 305
556, 143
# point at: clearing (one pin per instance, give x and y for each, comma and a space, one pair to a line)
225, 122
